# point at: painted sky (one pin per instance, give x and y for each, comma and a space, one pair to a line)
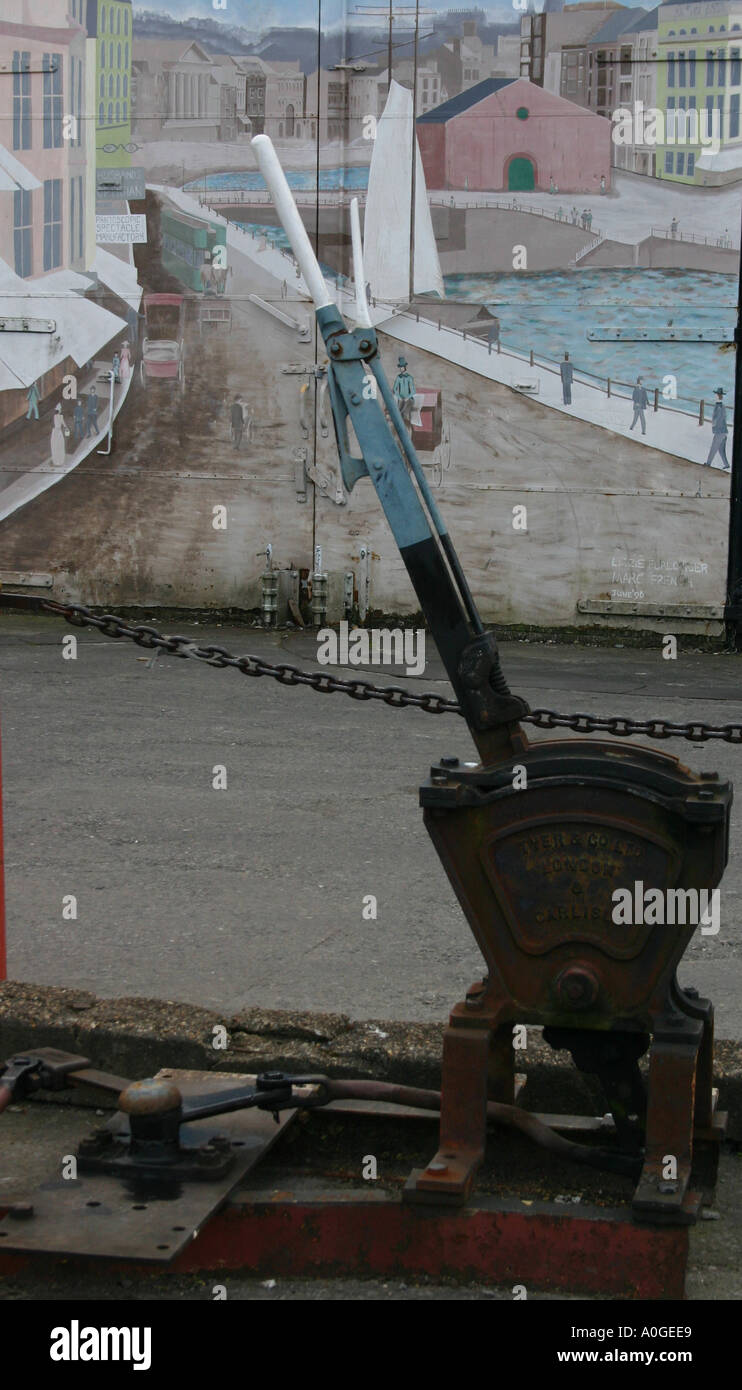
261, 14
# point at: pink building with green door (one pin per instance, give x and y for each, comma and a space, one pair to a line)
507, 133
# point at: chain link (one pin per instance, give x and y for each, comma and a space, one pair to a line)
393, 695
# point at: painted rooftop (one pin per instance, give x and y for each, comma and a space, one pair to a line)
455, 105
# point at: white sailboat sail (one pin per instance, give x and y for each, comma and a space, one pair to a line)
386, 241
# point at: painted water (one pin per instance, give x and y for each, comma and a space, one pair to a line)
552, 312
303, 180
278, 240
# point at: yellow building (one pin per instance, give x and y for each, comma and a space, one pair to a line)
109, 26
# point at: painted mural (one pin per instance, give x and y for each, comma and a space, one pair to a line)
550, 203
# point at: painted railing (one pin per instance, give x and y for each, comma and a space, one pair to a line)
723, 241
607, 386
690, 406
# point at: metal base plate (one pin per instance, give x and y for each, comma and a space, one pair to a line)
111, 1217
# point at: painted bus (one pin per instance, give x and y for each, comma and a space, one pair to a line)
188, 243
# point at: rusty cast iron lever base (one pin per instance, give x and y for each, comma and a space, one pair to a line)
536, 852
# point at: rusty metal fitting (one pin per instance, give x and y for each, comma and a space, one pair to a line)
577, 987
151, 1097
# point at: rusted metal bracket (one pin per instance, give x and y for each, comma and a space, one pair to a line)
147, 1217
535, 861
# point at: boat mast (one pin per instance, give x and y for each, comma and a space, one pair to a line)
413, 177
733, 612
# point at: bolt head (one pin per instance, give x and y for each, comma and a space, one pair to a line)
577, 987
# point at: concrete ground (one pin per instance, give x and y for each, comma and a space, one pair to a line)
253, 895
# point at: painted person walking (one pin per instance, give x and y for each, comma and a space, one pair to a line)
60, 432
719, 430
237, 420
641, 401
566, 372
92, 412
78, 421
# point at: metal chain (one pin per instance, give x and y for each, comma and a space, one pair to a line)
394, 695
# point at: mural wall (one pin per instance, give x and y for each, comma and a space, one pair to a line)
551, 204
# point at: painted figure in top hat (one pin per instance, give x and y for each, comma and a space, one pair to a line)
719, 430
404, 390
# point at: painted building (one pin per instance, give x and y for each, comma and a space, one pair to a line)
430, 89
47, 148
366, 97
285, 101
544, 35
699, 76
465, 60
176, 91
48, 256
327, 103
614, 68
506, 133
596, 71
109, 27
622, 66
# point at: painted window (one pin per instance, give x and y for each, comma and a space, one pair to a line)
709, 67
52, 90
668, 161
101, 113
722, 67
52, 223
73, 219
22, 129
22, 233
103, 19
681, 69
680, 166
734, 116
81, 219
671, 69
691, 164
80, 113
692, 68
103, 55
734, 71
